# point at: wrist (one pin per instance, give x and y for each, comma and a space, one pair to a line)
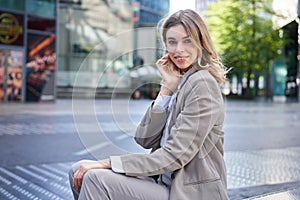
164, 91
105, 164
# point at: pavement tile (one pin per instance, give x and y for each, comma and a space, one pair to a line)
47, 181
260, 167
249, 175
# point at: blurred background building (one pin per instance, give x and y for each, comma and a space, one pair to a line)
50, 47
103, 43
288, 19
92, 35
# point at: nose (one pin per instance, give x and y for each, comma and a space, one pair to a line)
180, 47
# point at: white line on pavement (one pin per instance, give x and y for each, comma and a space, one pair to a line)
91, 149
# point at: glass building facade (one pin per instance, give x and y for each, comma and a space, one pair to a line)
151, 11
93, 35
27, 50
100, 43
50, 47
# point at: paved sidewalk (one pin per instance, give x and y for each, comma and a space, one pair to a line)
264, 174
293, 194
249, 177
261, 174
38, 182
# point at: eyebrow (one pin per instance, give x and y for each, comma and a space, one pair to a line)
185, 37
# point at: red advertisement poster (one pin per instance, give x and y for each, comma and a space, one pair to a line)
40, 67
11, 73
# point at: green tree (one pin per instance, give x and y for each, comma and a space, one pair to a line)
244, 35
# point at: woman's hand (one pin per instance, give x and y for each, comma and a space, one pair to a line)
170, 75
79, 174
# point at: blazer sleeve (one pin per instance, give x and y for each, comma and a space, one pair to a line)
149, 131
202, 107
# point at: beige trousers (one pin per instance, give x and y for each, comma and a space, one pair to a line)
103, 184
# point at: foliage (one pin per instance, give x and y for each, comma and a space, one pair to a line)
243, 34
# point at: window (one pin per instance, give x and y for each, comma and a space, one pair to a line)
45, 8
12, 4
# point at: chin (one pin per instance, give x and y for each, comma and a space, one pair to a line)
184, 66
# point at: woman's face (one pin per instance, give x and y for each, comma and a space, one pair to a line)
182, 50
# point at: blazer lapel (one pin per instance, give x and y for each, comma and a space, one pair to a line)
175, 113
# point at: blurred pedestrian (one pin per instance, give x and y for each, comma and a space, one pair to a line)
183, 127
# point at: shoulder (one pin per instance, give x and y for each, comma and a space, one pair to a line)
202, 78
200, 75
201, 84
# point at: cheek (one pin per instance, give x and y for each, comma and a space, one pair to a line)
170, 49
194, 54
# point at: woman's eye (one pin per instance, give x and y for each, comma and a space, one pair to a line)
187, 41
172, 42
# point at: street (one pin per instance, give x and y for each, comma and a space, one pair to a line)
40, 141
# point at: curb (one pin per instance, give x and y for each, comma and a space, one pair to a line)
267, 192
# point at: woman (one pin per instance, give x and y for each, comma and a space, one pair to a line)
183, 127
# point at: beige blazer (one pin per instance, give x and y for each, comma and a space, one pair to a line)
194, 148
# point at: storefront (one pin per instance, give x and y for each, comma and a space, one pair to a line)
27, 50
287, 19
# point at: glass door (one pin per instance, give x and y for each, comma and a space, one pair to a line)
11, 75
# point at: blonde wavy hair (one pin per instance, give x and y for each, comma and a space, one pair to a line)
208, 58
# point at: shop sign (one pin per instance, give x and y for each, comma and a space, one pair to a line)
11, 29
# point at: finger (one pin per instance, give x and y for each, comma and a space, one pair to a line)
163, 63
76, 179
160, 62
79, 184
75, 183
163, 59
166, 55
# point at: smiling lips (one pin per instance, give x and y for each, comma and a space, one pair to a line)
180, 59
